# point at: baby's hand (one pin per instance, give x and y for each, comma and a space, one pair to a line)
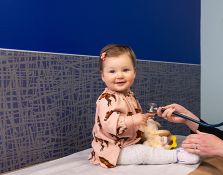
141, 120
150, 115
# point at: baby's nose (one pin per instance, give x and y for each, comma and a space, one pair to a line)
119, 74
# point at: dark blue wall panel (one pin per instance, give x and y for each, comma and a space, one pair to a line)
157, 30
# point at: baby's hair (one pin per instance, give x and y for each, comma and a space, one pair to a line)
114, 50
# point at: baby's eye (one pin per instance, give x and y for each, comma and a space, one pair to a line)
125, 70
111, 71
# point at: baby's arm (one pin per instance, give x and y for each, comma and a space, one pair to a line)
113, 118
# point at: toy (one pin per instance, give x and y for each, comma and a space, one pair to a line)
158, 138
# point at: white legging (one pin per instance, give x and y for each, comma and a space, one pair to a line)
142, 154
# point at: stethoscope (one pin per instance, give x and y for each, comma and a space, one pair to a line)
153, 108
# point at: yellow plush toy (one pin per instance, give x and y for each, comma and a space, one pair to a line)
158, 138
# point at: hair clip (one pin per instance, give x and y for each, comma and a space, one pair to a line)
103, 56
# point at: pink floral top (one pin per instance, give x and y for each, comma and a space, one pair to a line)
114, 126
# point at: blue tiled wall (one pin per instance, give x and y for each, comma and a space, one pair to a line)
47, 102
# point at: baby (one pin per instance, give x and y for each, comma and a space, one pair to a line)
119, 120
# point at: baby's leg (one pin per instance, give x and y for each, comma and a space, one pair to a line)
142, 154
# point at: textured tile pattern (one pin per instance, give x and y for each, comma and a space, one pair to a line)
47, 102
165, 83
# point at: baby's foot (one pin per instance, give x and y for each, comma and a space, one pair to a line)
185, 157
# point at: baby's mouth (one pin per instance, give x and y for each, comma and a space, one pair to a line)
121, 82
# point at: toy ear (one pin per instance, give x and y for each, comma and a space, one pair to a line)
163, 133
153, 123
158, 124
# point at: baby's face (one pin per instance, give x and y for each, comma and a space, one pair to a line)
118, 73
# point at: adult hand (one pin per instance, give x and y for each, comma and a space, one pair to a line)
203, 144
168, 113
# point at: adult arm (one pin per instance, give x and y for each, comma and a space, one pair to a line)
168, 114
215, 131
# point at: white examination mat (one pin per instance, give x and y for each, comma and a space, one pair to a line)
78, 163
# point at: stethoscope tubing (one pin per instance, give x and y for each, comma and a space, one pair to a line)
198, 122
153, 108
